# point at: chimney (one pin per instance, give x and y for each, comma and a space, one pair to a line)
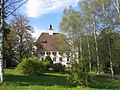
50, 30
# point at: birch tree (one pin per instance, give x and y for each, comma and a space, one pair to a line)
109, 22
71, 25
1, 39
89, 9
4, 13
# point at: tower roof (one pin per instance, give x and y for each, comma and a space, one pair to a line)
50, 27
50, 30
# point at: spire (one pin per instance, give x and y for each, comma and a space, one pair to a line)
50, 27
50, 30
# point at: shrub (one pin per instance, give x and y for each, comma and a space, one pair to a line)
31, 66
78, 73
59, 67
48, 62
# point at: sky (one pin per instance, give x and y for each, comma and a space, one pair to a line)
42, 13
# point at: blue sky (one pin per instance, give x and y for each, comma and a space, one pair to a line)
42, 13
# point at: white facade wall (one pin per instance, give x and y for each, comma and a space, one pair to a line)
56, 58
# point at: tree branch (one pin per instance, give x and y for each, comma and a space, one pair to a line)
13, 3
16, 8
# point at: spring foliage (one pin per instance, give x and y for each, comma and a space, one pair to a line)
79, 74
31, 66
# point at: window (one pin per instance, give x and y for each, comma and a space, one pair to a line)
54, 53
61, 53
48, 53
54, 59
60, 59
45, 41
67, 59
42, 59
67, 53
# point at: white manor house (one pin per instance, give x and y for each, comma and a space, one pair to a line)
55, 46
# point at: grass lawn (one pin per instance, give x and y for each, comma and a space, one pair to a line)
53, 81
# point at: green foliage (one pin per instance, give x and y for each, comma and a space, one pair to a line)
8, 45
79, 73
58, 67
31, 66
53, 81
48, 62
23, 38
61, 41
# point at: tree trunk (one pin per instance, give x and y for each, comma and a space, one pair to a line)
110, 57
81, 55
109, 39
1, 37
96, 48
21, 48
89, 55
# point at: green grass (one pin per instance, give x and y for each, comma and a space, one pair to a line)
53, 81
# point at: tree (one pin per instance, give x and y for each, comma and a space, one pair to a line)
48, 61
116, 4
99, 25
8, 48
7, 8
62, 42
1, 37
101, 17
107, 21
73, 25
89, 10
4, 7
24, 41
11, 6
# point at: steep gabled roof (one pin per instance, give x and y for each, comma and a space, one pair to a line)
55, 42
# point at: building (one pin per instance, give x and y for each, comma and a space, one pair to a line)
55, 46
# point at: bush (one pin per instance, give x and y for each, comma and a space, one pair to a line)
31, 66
48, 62
58, 67
79, 74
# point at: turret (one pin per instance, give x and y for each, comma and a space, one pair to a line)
50, 30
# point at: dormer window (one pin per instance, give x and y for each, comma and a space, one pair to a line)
45, 41
54, 53
48, 53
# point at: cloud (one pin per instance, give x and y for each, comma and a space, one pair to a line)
37, 8
37, 32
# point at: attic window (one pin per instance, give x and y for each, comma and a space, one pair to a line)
54, 53
48, 53
45, 41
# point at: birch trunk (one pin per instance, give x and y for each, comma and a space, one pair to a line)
96, 48
1, 37
81, 55
89, 55
110, 57
109, 39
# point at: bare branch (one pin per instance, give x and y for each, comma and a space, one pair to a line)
12, 3
16, 8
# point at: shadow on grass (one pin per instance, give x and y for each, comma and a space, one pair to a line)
100, 82
97, 82
44, 80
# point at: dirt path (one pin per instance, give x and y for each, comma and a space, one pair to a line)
109, 75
